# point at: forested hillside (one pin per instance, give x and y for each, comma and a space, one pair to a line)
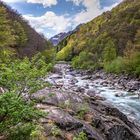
110, 41
17, 35
19, 78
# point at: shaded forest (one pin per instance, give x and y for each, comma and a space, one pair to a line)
17, 35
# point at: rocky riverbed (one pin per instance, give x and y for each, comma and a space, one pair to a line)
103, 106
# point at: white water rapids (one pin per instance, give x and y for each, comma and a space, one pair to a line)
71, 80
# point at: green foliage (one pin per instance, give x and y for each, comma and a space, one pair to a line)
83, 109
6, 34
116, 66
83, 61
20, 34
55, 131
65, 54
128, 64
49, 55
109, 52
17, 117
24, 75
82, 136
132, 64
17, 35
108, 37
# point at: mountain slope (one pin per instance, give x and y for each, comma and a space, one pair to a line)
55, 40
17, 35
113, 35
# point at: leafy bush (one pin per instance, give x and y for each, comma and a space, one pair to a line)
24, 75
49, 55
82, 136
83, 109
132, 63
109, 52
17, 117
83, 61
116, 66
55, 131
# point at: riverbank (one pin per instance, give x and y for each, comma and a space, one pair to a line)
124, 82
81, 101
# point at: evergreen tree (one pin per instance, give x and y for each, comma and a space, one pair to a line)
6, 34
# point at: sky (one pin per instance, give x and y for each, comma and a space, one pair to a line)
51, 17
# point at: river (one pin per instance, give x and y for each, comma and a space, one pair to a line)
73, 80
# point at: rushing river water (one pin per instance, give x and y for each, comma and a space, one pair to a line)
73, 80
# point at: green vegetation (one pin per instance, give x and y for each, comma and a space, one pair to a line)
17, 117
6, 37
83, 61
25, 75
110, 41
21, 77
83, 109
81, 136
16, 34
55, 131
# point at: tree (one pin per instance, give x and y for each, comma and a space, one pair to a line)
6, 33
109, 52
129, 50
20, 34
137, 40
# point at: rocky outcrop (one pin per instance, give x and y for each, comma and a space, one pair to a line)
107, 123
124, 82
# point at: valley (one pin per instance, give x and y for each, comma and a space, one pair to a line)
81, 84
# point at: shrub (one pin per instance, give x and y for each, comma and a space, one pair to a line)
81, 136
83, 61
83, 109
55, 131
17, 117
109, 52
132, 63
24, 75
116, 66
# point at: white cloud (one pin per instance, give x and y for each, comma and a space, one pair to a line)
46, 3
92, 10
13, 1
76, 2
49, 21
52, 23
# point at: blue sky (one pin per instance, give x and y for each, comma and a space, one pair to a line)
51, 17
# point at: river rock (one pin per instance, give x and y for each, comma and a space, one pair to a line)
2, 90
74, 93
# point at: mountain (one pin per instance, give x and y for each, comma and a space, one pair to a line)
55, 40
17, 36
58, 38
110, 41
